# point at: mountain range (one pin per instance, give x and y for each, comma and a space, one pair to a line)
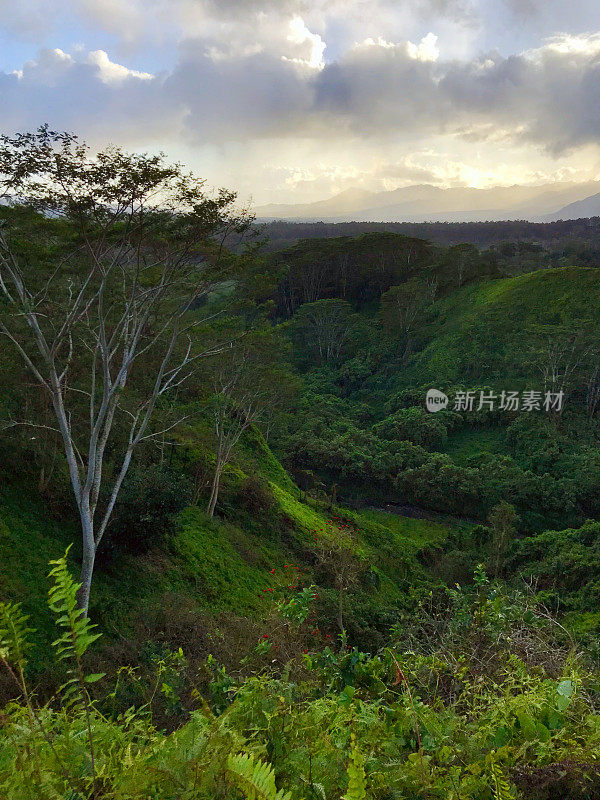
428, 203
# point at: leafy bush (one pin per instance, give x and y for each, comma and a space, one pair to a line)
415, 425
472, 702
150, 499
567, 562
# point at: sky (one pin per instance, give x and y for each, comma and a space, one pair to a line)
290, 101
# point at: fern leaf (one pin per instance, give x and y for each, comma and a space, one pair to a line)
502, 790
13, 634
357, 779
255, 778
62, 598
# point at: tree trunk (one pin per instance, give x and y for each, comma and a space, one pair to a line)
42, 481
341, 611
214, 492
407, 348
87, 562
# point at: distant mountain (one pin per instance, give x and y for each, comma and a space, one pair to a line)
343, 203
588, 207
427, 203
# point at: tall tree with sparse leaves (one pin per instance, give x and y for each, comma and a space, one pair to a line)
113, 323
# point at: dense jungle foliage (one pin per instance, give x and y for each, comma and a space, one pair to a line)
568, 235
311, 586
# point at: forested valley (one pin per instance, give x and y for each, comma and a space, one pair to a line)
240, 557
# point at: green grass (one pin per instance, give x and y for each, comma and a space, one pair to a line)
226, 568
29, 539
481, 334
256, 455
468, 443
305, 518
391, 544
580, 623
406, 533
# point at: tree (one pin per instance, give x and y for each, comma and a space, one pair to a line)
462, 263
110, 326
502, 521
414, 425
335, 550
567, 356
323, 329
249, 382
402, 305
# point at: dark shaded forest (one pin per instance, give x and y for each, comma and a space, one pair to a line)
484, 234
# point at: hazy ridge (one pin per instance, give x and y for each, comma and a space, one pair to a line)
428, 203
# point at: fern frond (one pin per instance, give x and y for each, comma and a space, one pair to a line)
62, 599
72, 644
357, 779
502, 790
255, 778
13, 635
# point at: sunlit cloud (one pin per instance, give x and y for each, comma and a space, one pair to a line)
288, 99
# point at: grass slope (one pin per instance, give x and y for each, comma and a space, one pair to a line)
483, 332
208, 566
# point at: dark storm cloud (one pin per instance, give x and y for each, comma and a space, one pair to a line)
228, 98
550, 96
375, 89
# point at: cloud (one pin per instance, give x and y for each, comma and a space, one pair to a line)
86, 93
426, 50
110, 72
280, 88
523, 8
27, 20
550, 95
461, 10
300, 35
378, 87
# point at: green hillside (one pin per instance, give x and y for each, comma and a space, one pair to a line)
303, 585
211, 568
485, 332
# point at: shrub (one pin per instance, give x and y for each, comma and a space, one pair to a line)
254, 495
415, 425
150, 499
472, 704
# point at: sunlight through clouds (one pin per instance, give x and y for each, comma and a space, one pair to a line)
327, 90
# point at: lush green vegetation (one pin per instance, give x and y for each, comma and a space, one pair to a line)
483, 701
292, 589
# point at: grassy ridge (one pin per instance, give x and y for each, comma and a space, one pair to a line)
210, 566
482, 332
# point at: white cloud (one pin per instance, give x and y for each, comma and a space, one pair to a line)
426, 50
109, 72
565, 44
50, 68
300, 35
